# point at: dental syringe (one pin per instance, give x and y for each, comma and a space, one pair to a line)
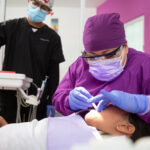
94, 106
41, 90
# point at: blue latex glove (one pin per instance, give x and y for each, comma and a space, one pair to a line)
134, 103
50, 111
78, 99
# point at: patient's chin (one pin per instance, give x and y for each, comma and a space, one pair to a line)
91, 116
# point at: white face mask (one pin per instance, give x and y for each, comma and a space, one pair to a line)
108, 69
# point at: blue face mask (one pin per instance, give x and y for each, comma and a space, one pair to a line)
35, 14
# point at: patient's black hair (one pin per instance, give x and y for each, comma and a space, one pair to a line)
142, 129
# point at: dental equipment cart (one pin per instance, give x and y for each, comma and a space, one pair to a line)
21, 83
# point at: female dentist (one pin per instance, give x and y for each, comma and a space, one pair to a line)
106, 63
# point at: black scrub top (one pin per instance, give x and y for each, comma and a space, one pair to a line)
33, 52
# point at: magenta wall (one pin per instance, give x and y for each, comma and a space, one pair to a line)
129, 10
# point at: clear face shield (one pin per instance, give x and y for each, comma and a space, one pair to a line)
44, 8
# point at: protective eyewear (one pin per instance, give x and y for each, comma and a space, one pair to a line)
43, 7
107, 56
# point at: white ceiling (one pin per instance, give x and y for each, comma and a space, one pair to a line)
61, 3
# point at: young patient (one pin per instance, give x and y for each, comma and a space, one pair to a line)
115, 121
61, 133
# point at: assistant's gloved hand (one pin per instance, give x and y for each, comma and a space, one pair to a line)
134, 103
78, 98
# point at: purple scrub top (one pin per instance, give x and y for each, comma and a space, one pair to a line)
134, 79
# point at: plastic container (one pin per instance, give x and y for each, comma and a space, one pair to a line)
13, 81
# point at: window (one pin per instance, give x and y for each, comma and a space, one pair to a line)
135, 33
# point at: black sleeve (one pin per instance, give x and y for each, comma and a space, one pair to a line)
52, 83
57, 53
2, 33
6, 29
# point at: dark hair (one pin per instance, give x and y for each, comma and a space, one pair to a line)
142, 129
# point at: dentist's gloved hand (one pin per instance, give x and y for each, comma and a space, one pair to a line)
134, 103
78, 99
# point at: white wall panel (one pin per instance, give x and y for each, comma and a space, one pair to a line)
2, 18
135, 33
